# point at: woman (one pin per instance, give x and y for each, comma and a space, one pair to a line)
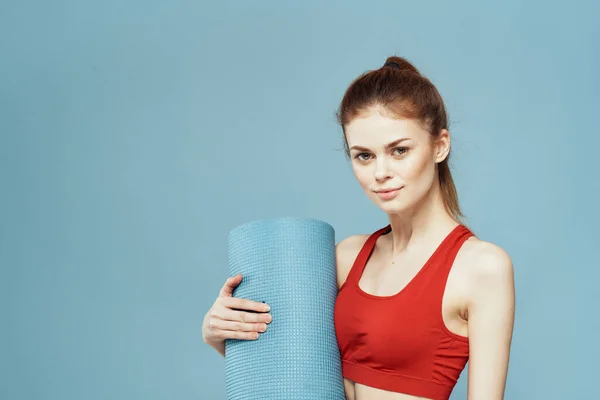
422, 296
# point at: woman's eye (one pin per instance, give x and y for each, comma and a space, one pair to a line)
364, 156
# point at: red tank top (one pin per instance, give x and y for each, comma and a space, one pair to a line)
400, 342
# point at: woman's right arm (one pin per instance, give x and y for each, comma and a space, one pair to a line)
227, 319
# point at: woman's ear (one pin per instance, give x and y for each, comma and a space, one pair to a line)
441, 146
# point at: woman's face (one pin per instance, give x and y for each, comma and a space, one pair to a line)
389, 153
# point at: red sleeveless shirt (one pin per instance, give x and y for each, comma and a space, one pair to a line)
400, 342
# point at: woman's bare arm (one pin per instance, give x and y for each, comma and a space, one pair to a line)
490, 322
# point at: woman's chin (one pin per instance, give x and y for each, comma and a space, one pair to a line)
389, 205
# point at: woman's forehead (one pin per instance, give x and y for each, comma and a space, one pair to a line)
376, 130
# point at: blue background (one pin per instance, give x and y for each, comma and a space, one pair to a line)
135, 135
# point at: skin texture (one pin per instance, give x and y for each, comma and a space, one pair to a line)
479, 298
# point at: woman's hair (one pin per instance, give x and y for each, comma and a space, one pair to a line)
403, 92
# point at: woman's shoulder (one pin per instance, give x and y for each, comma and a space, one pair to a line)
486, 271
482, 260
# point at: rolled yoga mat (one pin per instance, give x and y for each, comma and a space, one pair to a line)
288, 263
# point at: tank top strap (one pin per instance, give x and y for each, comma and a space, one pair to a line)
365, 252
442, 261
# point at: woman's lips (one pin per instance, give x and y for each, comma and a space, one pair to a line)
388, 195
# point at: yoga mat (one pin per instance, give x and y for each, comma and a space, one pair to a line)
288, 263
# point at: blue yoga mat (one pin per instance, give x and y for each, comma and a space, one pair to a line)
288, 263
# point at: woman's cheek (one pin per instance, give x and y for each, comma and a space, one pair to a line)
362, 175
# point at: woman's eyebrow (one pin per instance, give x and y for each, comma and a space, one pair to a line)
387, 146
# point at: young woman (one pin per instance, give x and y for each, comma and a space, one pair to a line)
422, 296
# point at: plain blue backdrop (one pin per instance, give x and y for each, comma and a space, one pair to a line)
136, 134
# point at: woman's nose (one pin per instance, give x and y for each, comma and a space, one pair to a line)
382, 172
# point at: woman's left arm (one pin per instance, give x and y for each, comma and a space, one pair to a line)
491, 311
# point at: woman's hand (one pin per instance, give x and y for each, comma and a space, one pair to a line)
227, 318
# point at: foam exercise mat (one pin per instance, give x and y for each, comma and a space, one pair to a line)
288, 263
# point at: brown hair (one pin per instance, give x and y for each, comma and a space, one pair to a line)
401, 90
